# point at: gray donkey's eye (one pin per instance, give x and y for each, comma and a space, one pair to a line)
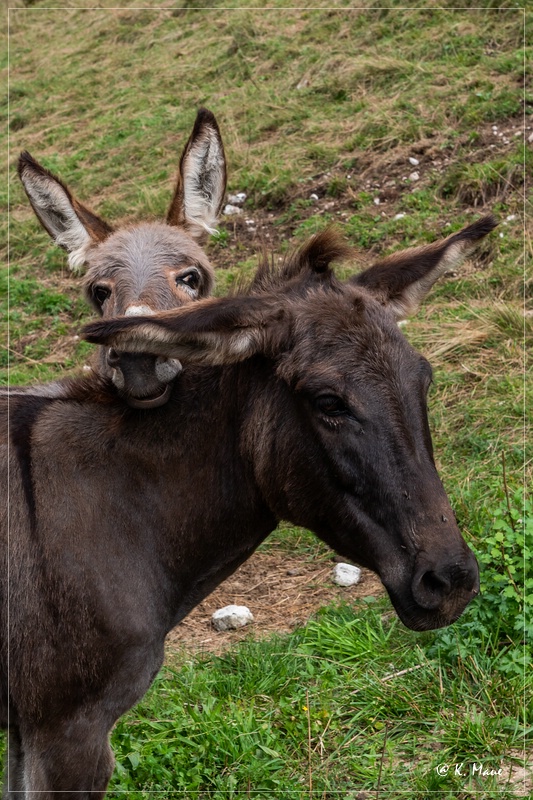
190, 279
100, 294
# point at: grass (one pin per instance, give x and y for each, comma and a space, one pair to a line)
320, 713
320, 110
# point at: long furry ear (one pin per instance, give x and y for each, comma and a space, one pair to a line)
311, 262
402, 280
70, 224
214, 331
201, 181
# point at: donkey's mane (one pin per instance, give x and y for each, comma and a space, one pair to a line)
297, 269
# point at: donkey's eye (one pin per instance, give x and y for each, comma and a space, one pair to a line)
100, 294
331, 406
189, 279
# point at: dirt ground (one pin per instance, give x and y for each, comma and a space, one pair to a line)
281, 590
259, 229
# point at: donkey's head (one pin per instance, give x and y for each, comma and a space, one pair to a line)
142, 268
338, 431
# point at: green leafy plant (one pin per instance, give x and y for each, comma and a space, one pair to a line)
497, 622
506, 568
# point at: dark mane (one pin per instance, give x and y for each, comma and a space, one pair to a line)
299, 268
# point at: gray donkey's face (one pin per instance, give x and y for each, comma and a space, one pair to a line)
142, 268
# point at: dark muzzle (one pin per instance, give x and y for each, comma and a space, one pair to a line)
434, 583
145, 381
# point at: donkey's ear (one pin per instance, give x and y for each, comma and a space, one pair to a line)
213, 332
402, 280
70, 224
201, 182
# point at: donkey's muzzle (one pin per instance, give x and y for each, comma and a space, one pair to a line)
143, 380
435, 590
435, 583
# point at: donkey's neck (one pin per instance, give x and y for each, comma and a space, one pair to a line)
213, 483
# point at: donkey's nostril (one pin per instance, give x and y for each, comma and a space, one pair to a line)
430, 588
113, 358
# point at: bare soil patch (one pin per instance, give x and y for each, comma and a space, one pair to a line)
384, 175
281, 590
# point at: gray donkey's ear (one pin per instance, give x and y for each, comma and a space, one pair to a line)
201, 182
402, 280
70, 224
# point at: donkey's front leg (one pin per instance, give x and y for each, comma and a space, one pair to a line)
74, 763
14, 766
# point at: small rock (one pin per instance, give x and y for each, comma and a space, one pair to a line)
230, 618
293, 572
414, 176
346, 575
530, 138
399, 216
414, 161
377, 201
510, 218
230, 210
313, 196
237, 199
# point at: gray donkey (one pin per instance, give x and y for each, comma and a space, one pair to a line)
140, 268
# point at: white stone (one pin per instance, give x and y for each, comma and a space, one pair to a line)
414, 176
313, 196
511, 217
230, 210
377, 201
530, 138
230, 618
237, 199
414, 161
346, 574
399, 216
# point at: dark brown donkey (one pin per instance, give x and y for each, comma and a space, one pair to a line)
302, 401
145, 267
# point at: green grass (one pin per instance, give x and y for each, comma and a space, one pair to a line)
332, 104
321, 712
